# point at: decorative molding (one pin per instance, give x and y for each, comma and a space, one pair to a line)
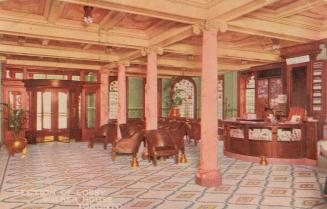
146, 51
125, 63
210, 25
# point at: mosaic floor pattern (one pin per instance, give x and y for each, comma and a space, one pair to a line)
71, 176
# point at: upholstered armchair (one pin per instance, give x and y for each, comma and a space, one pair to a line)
160, 144
128, 145
194, 132
106, 134
129, 129
177, 132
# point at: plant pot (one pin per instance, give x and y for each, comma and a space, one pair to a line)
174, 113
19, 145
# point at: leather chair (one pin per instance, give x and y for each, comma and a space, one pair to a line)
129, 129
160, 144
128, 145
106, 134
194, 132
178, 133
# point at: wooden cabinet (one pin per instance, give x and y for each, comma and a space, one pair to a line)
281, 140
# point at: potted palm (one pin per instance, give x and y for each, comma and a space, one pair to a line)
16, 119
176, 100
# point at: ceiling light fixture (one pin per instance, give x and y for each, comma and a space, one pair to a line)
88, 19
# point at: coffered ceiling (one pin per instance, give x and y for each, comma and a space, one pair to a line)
52, 32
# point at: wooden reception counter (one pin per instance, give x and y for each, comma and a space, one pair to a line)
279, 142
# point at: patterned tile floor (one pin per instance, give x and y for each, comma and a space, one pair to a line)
71, 176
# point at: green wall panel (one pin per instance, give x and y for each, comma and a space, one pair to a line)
198, 92
166, 88
135, 97
230, 92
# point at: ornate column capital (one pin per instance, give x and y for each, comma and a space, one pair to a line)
155, 49
210, 25
124, 63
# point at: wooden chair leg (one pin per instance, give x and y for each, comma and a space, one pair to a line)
105, 145
176, 158
154, 160
90, 145
183, 158
134, 163
113, 155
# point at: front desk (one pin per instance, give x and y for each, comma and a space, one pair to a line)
278, 142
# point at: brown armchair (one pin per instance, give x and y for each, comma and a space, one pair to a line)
194, 132
106, 134
128, 145
160, 144
129, 129
178, 131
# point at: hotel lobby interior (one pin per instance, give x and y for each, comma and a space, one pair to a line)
167, 104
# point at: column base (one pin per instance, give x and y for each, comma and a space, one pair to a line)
208, 178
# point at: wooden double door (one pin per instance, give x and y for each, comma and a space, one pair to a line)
54, 110
52, 115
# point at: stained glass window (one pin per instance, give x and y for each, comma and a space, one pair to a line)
186, 92
113, 99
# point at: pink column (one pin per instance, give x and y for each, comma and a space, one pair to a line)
104, 92
151, 92
122, 109
208, 173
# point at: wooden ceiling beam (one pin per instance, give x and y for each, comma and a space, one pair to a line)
297, 7
225, 53
272, 29
41, 63
56, 53
158, 27
53, 10
224, 7
186, 64
161, 72
111, 20
168, 10
245, 9
172, 36
61, 33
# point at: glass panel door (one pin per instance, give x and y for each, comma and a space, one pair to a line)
62, 110
91, 110
52, 115
47, 104
43, 110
